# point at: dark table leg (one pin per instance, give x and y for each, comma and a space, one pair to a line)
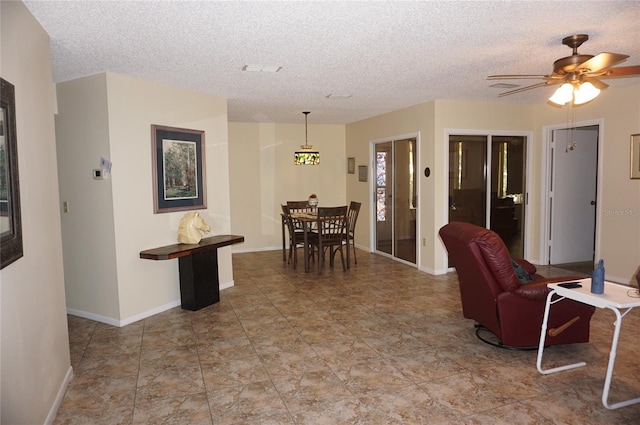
284, 246
199, 281
305, 225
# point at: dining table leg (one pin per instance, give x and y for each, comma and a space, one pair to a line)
305, 227
284, 246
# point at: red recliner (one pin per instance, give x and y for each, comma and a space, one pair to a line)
494, 297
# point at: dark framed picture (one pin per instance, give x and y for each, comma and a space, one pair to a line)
11, 248
179, 181
362, 173
351, 165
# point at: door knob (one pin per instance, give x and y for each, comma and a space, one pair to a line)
593, 202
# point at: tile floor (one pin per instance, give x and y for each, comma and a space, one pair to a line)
381, 344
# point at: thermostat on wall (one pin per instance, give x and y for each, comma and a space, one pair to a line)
100, 174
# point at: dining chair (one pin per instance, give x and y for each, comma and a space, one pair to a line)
331, 226
298, 207
296, 234
354, 210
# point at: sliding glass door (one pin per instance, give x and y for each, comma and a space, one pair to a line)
396, 198
487, 185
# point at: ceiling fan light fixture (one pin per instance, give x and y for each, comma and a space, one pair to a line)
585, 93
563, 94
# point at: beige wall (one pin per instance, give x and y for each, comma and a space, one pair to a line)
618, 211
111, 221
430, 120
82, 137
34, 355
416, 120
479, 117
263, 176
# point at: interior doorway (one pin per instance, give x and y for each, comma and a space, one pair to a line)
396, 198
573, 175
487, 184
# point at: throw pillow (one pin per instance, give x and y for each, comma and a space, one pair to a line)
523, 275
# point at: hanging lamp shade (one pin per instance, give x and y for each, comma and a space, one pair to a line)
306, 155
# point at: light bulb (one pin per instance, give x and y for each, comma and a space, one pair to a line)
563, 95
585, 93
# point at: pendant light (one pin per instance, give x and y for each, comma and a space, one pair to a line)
306, 155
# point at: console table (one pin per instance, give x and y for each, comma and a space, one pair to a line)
198, 263
615, 297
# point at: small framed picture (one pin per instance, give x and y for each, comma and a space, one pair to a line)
635, 156
351, 165
362, 173
179, 181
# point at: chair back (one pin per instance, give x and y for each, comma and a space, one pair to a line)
354, 210
297, 207
287, 219
332, 224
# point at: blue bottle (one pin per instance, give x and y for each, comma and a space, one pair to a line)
597, 279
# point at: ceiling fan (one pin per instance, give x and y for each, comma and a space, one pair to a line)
580, 75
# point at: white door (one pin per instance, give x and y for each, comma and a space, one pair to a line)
573, 194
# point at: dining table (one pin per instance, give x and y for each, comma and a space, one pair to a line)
308, 219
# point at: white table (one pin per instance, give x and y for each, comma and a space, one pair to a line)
615, 297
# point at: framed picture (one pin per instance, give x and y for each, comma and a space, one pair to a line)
351, 165
362, 173
11, 248
635, 156
179, 181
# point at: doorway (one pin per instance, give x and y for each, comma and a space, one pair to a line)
396, 198
487, 184
573, 178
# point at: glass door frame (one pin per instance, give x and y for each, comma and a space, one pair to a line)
528, 135
372, 192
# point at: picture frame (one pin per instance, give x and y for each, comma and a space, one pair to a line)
351, 165
179, 172
11, 247
362, 173
634, 171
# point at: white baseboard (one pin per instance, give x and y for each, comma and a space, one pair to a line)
58, 400
435, 272
150, 313
227, 285
93, 316
120, 323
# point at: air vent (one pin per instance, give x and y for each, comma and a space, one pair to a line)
338, 96
261, 68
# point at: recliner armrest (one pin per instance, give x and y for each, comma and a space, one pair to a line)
533, 291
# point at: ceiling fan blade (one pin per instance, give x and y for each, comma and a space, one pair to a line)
516, 77
601, 61
533, 86
621, 71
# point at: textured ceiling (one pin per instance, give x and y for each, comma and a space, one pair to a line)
385, 54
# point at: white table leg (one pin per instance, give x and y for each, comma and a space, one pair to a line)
612, 360
543, 335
